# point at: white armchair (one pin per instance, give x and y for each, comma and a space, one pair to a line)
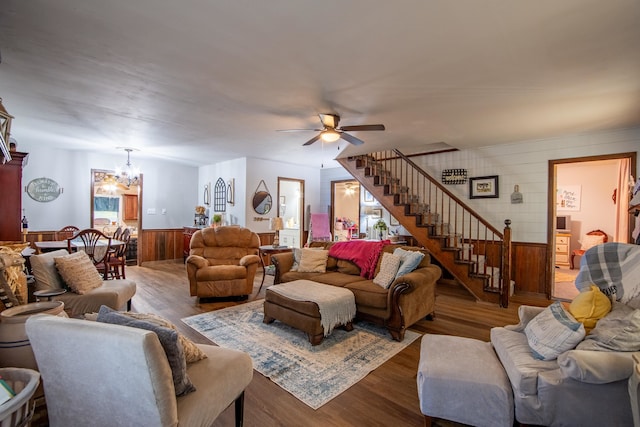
108, 375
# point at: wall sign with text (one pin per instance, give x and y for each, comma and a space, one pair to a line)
454, 176
43, 190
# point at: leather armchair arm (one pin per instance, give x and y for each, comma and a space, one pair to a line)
423, 276
248, 260
197, 261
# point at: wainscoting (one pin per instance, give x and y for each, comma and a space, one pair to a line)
530, 269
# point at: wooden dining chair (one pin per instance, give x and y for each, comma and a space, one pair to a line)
118, 257
118, 233
96, 245
66, 232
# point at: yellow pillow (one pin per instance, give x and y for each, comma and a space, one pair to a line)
589, 307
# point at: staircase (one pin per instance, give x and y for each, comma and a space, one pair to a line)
474, 252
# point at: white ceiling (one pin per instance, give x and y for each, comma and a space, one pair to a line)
205, 81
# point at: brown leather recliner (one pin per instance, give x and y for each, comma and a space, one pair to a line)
222, 262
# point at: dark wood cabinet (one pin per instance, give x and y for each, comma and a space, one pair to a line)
11, 195
130, 208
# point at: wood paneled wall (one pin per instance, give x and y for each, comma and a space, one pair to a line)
530, 270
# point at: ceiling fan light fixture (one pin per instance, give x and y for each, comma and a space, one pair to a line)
330, 135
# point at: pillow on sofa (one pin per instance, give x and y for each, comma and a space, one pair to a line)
388, 269
409, 261
618, 331
168, 339
590, 306
297, 253
313, 260
78, 272
192, 352
552, 332
45, 272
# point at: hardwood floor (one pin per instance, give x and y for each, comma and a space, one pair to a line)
387, 396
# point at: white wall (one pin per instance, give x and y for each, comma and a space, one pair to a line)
165, 185
248, 173
232, 170
527, 165
597, 210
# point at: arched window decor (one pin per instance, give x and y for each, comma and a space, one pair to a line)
220, 196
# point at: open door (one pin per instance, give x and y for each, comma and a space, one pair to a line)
586, 194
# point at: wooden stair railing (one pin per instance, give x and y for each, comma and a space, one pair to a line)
473, 251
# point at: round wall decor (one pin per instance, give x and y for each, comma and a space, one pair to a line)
43, 189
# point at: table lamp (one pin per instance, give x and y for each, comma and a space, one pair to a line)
276, 225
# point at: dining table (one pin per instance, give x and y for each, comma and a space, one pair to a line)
52, 245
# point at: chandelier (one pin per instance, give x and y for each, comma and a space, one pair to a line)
128, 174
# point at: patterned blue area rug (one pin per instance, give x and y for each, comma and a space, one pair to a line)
313, 374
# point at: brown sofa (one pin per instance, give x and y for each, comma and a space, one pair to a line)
222, 262
410, 297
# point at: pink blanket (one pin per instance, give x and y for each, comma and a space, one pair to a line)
363, 253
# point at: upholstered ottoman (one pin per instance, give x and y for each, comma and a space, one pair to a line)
462, 380
311, 307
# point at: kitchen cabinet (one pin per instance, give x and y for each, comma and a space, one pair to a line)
130, 208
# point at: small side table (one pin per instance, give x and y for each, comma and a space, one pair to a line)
48, 293
270, 250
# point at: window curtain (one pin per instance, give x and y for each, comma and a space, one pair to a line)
108, 204
622, 201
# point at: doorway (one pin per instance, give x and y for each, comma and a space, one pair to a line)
345, 210
585, 194
291, 210
115, 204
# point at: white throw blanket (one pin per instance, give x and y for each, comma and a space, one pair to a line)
337, 305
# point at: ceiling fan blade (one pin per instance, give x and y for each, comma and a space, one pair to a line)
298, 130
352, 139
312, 140
362, 127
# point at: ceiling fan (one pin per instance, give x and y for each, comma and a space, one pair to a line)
331, 132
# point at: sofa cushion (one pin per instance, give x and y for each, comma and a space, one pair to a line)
597, 367
78, 272
618, 331
290, 276
336, 279
409, 260
192, 352
345, 266
313, 261
515, 355
45, 271
297, 253
590, 306
368, 294
388, 269
112, 293
553, 332
168, 339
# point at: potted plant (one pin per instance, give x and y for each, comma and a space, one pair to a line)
381, 226
217, 220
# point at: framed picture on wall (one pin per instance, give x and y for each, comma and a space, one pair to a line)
368, 197
393, 221
376, 213
483, 187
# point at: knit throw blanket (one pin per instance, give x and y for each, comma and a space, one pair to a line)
337, 305
615, 269
363, 253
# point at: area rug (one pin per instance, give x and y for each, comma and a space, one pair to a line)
313, 374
